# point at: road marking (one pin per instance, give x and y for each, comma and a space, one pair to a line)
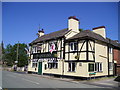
30, 81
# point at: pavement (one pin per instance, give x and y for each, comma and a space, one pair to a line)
103, 82
108, 83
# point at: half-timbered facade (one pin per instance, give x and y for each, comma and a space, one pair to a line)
74, 53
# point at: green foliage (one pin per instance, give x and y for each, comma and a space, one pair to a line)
11, 54
80, 29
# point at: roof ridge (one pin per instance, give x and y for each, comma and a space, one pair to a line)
55, 32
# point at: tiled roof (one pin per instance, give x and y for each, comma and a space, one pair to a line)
113, 42
81, 35
52, 35
91, 34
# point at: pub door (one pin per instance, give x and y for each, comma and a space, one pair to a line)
40, 68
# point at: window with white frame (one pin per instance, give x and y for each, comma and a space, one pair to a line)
95, 67
110, 50
53, 65
34, 49
39, 47
110, 66
73, 46
71, 66
98, 67
34, 64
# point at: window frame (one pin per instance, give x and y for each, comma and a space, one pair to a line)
70, 67
72, 48
53, 65
110, 66
110, 50
97, 67
36, 64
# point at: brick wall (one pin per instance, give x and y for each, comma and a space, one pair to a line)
117, 58
117, 55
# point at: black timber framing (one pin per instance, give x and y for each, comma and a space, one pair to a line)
68, 51
77, 47
114, 66
61, 48
108, 59
79, 51
64, 47
79, 61
87, 48
93, 52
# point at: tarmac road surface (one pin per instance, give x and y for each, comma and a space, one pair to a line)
18, 80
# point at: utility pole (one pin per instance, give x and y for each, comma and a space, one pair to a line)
17, 52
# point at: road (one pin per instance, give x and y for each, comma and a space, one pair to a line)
17, 80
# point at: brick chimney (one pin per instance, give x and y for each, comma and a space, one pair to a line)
73, 24
40, 33
100, 30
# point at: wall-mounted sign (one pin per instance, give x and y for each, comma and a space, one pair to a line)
44, 55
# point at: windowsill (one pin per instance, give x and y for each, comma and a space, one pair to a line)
95, 71
34, 67
52, 68
71, 71
91, 71
110, 69
99, 72
73, 50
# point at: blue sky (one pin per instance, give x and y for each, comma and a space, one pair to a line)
21, 19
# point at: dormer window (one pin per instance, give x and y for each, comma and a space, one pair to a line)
73, 46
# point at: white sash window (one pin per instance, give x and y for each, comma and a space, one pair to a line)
71, 66
73, 46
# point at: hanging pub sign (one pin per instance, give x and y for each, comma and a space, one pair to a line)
52, 47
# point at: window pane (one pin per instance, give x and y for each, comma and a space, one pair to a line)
75, 46
71, 46
73, 66
91, 67
100, 66
110, 65
69, 66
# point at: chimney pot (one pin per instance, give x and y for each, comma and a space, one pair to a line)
73, 17
100, 30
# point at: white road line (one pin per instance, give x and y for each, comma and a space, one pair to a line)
30, 81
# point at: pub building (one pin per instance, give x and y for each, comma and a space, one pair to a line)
73, 52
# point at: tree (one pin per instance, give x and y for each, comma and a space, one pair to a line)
80, 29
11, 54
